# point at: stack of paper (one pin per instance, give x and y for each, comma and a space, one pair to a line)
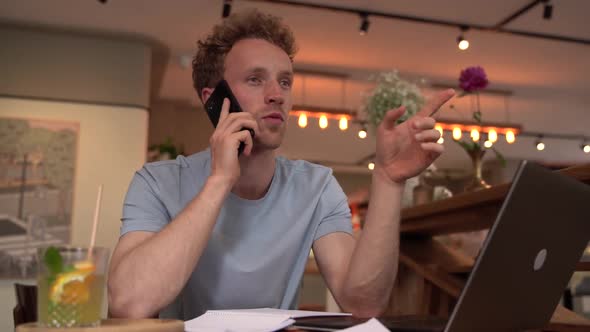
249, 320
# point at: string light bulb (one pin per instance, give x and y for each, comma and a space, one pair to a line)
456, 133
488, 144
475, 135
302, 122
492, 135
323, 122
343, 123
585, 147
371, 166
510, 137
439, 128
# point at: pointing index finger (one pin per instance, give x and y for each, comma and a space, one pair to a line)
436, 102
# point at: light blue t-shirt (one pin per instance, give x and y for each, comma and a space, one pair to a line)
258, 249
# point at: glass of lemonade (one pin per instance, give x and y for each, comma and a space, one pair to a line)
71, 285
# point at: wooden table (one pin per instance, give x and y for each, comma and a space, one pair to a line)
431, 275
115, 325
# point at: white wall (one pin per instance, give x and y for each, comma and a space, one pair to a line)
112, 143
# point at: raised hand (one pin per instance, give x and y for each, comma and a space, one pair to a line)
404, 151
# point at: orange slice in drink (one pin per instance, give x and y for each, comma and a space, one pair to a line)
73, 287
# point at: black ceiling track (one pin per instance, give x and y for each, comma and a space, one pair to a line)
497, 28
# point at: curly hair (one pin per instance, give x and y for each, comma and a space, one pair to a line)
208, 63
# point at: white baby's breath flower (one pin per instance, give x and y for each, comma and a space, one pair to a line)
392, 92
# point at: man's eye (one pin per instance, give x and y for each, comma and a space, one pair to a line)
285, 83
254, 79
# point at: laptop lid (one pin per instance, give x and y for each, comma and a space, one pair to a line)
528, 256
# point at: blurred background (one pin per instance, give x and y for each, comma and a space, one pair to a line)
90, 90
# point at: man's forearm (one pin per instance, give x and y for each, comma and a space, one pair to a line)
151, 275
374, 262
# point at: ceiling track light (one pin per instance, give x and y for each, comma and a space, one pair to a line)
500, 27
226, 8
463, 43
547, 10
364, 28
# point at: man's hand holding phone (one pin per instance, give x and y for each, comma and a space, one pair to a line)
226, 139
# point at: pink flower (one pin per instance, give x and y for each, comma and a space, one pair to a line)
473, 79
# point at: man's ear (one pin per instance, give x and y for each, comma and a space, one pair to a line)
206, 93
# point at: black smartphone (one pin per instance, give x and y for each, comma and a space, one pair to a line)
215, 101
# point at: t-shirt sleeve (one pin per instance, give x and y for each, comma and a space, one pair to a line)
336, 215
143, 210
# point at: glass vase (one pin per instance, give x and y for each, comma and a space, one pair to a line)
477, 182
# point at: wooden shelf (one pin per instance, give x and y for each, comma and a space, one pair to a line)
468, 211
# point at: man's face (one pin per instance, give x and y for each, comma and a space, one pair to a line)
260, 75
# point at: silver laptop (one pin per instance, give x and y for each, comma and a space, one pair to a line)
524, 265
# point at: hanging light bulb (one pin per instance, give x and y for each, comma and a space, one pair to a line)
456, 133
439, 128
462, 43
302, 122
475, 135
363, 132
371, 166
510, 137
343, 123
492, 135
323, 121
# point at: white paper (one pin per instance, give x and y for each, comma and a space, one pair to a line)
229, 321
586, 303
372, 325
290, 313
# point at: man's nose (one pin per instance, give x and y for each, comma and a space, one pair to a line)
273, 94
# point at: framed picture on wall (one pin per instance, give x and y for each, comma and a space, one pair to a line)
37, 168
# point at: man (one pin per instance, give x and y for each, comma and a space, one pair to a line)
214, 230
